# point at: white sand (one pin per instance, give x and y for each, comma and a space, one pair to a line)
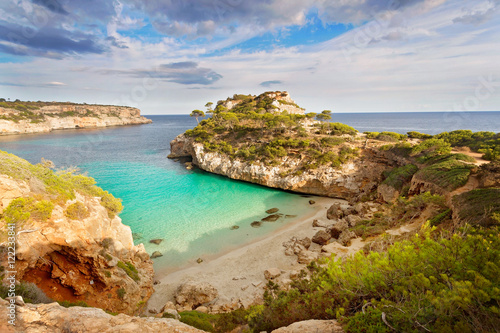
239, 274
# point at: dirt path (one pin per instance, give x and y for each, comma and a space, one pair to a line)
476, 156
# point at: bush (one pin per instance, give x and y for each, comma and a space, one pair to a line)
77, 211
68, 304
432, 147
28, 291
202, 321
121, 293
397, 177
418, 135
448, 172
455, 291
478, 207
130, 269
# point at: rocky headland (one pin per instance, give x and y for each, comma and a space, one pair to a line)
42, 117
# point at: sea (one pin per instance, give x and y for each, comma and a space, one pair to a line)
196, 213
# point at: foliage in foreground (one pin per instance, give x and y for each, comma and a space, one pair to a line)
28, 291
418, 285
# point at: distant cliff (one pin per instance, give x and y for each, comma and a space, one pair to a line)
41, 117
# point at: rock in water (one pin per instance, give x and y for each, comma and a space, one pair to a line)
271, 218
256, 224
312, 202
156, 254
199, 260
272, 210
234, 227
156, 241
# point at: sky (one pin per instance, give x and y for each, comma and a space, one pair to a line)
173, 56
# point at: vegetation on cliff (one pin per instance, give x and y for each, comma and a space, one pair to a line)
52, 187
252, 130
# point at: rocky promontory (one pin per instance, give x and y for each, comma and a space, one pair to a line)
41, 117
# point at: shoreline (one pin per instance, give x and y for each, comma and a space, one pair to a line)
238, 274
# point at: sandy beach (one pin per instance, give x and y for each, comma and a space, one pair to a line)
239, 275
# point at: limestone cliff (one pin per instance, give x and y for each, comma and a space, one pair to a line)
351, 180
45, 118
73, 249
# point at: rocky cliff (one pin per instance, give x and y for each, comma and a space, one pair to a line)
69, 243
45, 118
351, 180
53, 318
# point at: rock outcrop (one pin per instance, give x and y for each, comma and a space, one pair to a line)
353, 179
90, 259
53, 318
69, 116
191, 294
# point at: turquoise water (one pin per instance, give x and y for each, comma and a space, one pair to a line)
193, 211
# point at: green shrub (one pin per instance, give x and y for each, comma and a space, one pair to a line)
121, 293
479, 207
454, 291
77, 211
68, 304
438, 219
418, 135
18, 210
130, 269
202, 321
432, 147
397, 177
28, 291
449, 173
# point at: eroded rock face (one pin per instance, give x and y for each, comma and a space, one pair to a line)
102, 116
387, 193
352, 179
91, 260
53, 318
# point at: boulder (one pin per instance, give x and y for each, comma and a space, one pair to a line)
173, 313
272, 273
202, 309
234, 227
305, 257
319, 224
321, 237
199, 260
256, 224
305, 242
330, 326
334, 247
387, 193
312, 202
168, 306
156, 254
352, 220
345, 237
295, 246
192, 294
272, 210
334, 212
156, 241
271, 218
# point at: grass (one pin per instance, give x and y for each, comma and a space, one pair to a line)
68, 304
28, 291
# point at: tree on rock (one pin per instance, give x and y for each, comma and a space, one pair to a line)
324, 115
197, 114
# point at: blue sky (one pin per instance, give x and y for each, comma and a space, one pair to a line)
173, 56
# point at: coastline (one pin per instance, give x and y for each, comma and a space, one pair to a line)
238, 274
